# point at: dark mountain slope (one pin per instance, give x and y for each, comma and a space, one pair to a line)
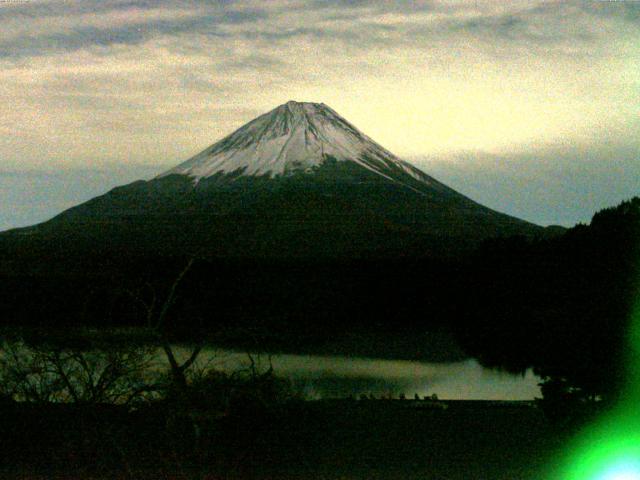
298, 219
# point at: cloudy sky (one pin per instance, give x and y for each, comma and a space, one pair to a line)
532, 108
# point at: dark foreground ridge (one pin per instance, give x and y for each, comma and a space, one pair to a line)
298, 440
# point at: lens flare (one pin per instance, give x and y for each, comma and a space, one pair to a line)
622, 470
610, 449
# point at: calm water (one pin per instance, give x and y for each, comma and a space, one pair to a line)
335, 376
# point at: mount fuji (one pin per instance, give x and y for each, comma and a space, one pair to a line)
304, 229
298, 181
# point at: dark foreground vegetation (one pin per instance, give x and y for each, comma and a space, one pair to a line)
564, 306
302, 440
79, 406
70, 406
76, 407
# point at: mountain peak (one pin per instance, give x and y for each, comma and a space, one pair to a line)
293, 137
294, 103
294, 112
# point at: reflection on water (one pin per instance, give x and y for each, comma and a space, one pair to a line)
333, 376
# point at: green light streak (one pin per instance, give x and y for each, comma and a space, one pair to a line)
610, 449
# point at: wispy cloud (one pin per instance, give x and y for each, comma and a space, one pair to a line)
154, 81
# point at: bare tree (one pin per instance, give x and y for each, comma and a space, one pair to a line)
156, 312
50, 373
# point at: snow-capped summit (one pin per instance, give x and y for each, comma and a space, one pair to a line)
294, 137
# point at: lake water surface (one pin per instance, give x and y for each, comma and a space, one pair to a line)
339, 376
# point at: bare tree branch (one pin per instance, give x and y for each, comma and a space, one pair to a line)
159, 324
192, 358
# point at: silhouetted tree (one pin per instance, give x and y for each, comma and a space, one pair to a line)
156, 311
49, 372
561, 306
